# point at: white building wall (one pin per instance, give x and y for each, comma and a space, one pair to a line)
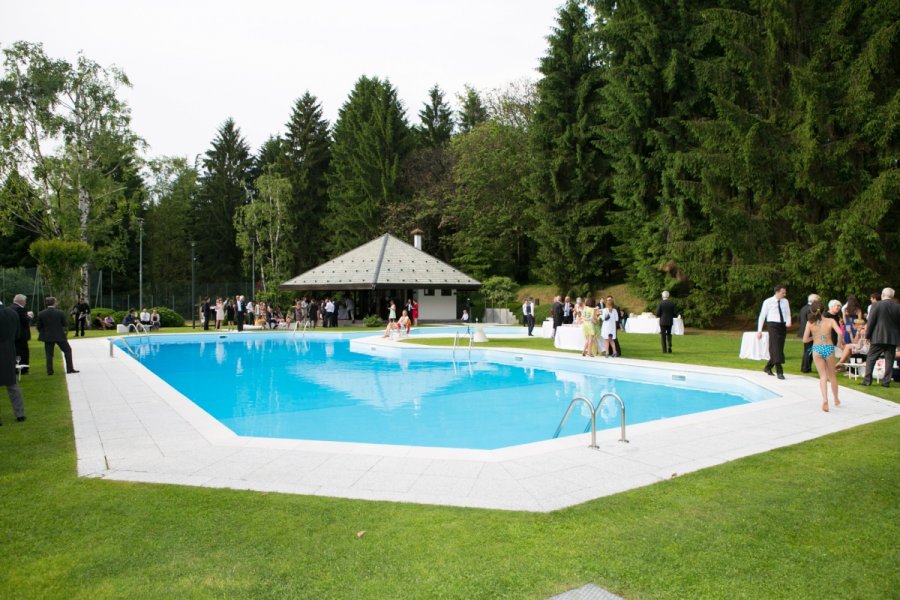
437, 307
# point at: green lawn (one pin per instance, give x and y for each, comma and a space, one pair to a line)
813, 520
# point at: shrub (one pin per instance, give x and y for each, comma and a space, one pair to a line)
499, 290
168, 317
373, 321
98, 314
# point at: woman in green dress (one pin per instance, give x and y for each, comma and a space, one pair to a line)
589, 326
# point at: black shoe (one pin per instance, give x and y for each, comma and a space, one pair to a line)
73, 371
670, 351
806, 370
20, 419
768, 371
865, 383
49, 372
780, 376
888, 384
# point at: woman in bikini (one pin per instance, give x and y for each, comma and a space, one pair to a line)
818, 331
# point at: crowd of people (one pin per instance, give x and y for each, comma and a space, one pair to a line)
311, 312
833, 334
599, 323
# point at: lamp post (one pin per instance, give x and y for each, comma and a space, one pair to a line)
253, 268
141, 264
193, 294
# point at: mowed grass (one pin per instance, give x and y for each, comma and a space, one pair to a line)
815, 520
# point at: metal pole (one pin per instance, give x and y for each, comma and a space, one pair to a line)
141, 265
253, 268
193, 294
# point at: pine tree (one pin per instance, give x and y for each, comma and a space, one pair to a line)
436, 119
472, 111
224, 186
307, 145
793, 166
650, 92
371, 138
571, 199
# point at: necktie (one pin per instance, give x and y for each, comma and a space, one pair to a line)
780, 314
528, 308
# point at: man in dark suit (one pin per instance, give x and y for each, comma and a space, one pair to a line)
806, 360
206, 307
24, 336
556, 311
9, 331
528, 314
53, 330
666, 312
883, 331
241, 309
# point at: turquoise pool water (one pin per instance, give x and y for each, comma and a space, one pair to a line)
317, 387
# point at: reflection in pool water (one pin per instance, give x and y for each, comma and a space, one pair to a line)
285, 386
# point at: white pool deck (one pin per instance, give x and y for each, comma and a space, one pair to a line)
131, 426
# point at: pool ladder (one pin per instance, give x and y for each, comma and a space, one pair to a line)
594, 411
144, 338
456, 343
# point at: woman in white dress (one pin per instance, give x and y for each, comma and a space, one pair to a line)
609, 318
220, 313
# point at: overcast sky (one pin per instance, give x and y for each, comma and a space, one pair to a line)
192, 64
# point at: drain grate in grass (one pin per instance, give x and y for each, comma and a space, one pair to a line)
587, 592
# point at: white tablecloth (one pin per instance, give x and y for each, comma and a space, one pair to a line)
547, 328
755, 349
651, 325
569, 337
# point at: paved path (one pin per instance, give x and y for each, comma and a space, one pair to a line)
131, 426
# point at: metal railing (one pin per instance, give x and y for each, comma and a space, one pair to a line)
594, 411
456, 343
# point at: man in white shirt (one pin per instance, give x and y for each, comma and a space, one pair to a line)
528, 313
776, 314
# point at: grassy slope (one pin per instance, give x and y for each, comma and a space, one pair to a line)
809, 521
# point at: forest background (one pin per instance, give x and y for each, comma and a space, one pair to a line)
711, 148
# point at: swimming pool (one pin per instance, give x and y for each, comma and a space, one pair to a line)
334, 388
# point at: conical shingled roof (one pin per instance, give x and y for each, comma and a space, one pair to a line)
383, 263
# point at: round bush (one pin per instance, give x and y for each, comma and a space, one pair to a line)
373, 321
168, 317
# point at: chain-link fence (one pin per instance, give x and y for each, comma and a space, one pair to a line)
103, 292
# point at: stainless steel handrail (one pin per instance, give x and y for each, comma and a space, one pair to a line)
594, 412
621, 406
593, 419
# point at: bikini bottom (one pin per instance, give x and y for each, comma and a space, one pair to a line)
823, 350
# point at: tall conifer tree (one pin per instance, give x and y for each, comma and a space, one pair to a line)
436, 120
307, 145
571, 199
371, 138
225, 185
650, 92
472, 112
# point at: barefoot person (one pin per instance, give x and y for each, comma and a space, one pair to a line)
400, 324
818, 331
